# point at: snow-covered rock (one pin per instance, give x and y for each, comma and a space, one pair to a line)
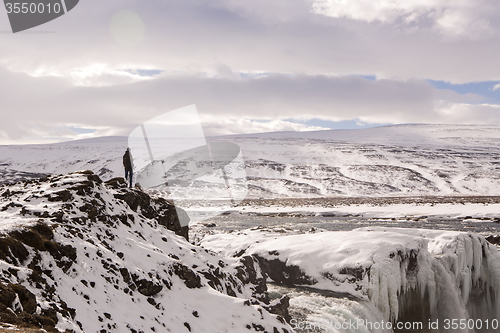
81, 255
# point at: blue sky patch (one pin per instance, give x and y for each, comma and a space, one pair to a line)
144, 72
485, 89
368, 77
81, 130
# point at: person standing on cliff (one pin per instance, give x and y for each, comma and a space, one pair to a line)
128, 164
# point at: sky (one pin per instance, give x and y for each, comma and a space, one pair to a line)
105, 67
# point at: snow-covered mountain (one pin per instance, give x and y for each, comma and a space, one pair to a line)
403, 160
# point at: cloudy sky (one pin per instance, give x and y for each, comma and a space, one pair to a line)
250, 66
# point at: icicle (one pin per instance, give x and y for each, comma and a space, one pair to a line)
478, 257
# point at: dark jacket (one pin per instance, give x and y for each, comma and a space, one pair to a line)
127, 163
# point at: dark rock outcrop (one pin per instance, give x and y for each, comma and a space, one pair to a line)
249, 272
18, 306
280, 307
158, 209
281, 273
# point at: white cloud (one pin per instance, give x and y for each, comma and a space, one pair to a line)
218, 126
470, 18
100, 75
223, 56
226, 105
272, 37
95, 74
463, 113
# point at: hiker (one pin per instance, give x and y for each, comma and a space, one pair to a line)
128, 164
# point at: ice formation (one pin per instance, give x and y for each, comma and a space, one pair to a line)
408, 274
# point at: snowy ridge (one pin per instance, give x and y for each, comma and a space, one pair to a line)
86, 256
400, 160
417, 273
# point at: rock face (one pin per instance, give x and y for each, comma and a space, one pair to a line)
81, 255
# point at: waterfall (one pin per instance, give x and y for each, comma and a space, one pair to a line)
417, 280
454, 278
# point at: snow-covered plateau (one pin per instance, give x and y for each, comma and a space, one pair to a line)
341, 231
400, 160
